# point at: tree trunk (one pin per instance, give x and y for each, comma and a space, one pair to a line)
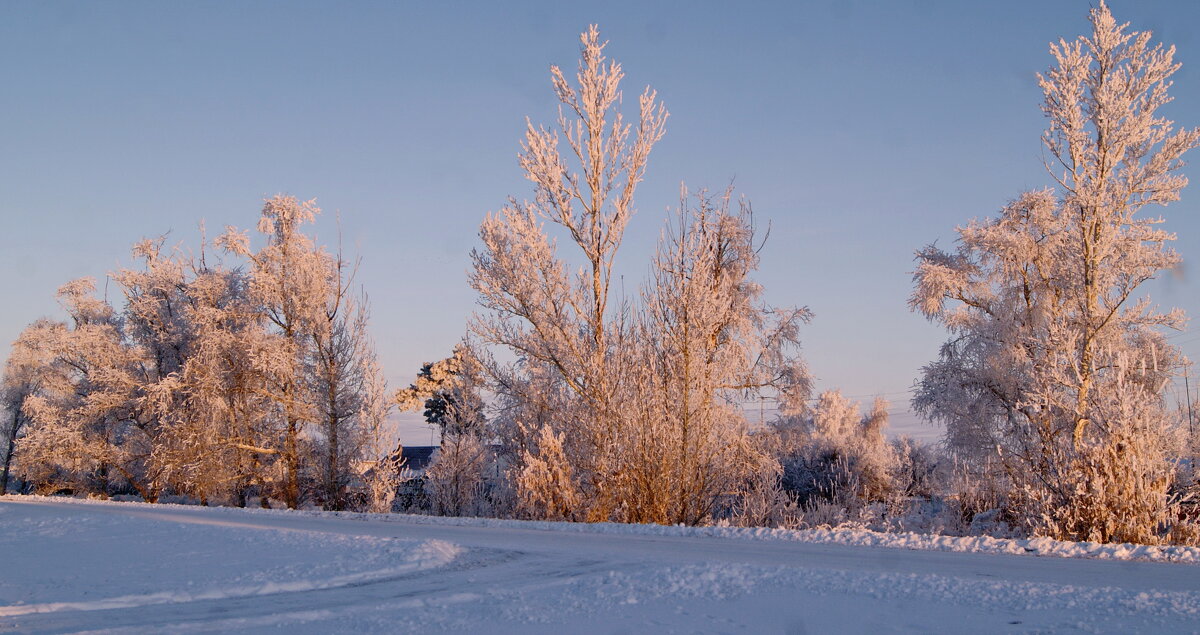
8, 454
333, 494
291, 492
10, 447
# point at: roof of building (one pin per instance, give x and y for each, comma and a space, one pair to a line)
417, 457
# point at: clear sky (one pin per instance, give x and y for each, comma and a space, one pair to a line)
860, 130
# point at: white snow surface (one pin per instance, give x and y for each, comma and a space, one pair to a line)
75, 566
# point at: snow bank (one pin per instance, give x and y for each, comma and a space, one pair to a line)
733, 581
851, 536
840, 536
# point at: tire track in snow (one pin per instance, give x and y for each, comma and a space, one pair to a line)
430, 554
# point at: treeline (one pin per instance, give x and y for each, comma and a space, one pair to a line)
224, 383
211, 381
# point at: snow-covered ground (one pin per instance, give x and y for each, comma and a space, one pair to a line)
68, 566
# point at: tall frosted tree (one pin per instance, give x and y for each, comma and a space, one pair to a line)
222, 430
342, 359
289, 281
1056, 368
155, 321
546, 315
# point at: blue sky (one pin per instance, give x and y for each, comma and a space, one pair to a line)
861, 131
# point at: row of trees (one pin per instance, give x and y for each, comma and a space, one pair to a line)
223, 382
212, 381
1051, 387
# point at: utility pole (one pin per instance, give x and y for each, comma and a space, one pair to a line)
1191, 418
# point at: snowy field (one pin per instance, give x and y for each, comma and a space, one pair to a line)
71, 566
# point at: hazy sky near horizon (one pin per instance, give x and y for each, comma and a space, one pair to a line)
860, 131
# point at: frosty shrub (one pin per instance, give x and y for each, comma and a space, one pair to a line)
454, 479
840, 456
762, 501
978, 498
918, 469
1111, 488
381, 482
547, 489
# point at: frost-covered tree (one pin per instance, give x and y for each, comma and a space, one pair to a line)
22, 379
310, 353
1055, 368
704, 342
449, 392
91, 426
626, 411
155, 320
549, 317
381, 465
223, 430
289, 281
342, 358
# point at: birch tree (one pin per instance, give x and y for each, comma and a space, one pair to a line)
1055, 366
1114, 156
342, 357
289, 282
539, 310
625, 411
454, 479
382, 465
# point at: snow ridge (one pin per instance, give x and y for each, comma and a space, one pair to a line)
852, 536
